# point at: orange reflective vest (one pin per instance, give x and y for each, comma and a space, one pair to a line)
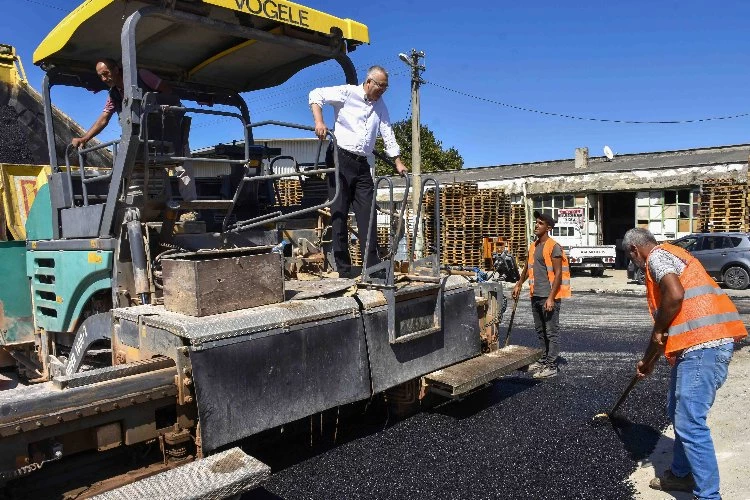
707, 313
564, 290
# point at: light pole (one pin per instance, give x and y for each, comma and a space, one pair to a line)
412, 61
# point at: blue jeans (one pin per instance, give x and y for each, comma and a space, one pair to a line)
696, 376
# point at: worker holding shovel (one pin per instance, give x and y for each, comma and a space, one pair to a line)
695, 327
549, 282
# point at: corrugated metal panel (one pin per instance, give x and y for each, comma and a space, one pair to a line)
211, 168
303, 150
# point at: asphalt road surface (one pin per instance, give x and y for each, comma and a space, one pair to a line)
518, 438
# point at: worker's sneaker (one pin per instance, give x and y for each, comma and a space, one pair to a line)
548, 371
534, 367
670, 482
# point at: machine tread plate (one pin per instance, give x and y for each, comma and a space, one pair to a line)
223, 475
461, 378
200, 330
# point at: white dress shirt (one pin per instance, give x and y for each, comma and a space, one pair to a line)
358, 120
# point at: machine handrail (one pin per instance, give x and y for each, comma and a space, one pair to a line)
393, 238
406, 177
262, 220
154, 107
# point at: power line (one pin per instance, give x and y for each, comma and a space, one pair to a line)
583, 118
48, 5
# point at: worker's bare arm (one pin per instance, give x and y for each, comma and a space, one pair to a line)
99, 125
672, 294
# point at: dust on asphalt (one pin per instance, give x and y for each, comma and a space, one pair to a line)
519, 438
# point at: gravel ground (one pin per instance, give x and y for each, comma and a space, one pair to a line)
519, 438
13, 142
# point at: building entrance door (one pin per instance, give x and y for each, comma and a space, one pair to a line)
618, 215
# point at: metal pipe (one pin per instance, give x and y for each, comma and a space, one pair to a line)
49, 125
137, 254
258, 222
418, 216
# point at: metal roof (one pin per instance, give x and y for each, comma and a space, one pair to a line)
621, 163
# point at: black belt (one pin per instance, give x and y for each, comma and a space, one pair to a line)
353, 156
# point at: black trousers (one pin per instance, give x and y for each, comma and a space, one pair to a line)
357, 189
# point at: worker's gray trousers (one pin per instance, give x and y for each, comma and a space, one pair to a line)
547, 327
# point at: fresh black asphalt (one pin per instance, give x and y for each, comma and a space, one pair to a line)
517, 439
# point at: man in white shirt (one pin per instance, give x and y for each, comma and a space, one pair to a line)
360, 114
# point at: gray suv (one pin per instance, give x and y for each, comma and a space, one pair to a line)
726, 257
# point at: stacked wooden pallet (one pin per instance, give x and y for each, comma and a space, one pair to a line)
354, 252
518, 243
724, 205
467, 215
289, 192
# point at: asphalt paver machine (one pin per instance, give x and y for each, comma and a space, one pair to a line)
147, 328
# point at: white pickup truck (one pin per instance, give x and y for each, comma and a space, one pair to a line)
582, 256
594, 258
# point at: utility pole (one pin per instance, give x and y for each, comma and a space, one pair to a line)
412, 61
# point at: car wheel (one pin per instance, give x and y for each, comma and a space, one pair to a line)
640, 276
736, 278
597, 272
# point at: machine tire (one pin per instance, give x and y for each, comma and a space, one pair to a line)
597, 272
736, 278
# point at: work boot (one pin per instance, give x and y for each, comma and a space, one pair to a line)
548, 371
670, 482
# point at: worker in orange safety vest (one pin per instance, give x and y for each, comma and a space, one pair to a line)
695, 327
549, 282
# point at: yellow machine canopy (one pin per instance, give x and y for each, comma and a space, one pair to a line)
289, 37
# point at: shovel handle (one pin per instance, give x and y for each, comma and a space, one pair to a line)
630, 387
510, 322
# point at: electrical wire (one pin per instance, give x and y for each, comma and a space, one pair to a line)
48, 5
591, 119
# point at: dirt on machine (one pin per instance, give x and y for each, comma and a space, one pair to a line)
131, 326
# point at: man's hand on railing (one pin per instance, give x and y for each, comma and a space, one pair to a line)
400, 167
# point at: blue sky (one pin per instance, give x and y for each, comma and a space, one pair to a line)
635, 60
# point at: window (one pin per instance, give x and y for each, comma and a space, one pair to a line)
736, 241
549, 204
687, 243
715, 243
563, 231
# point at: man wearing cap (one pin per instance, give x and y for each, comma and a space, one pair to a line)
549, 282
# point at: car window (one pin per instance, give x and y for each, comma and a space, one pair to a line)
687, 243
736, 240
715, 243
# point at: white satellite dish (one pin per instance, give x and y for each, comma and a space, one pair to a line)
608, 153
